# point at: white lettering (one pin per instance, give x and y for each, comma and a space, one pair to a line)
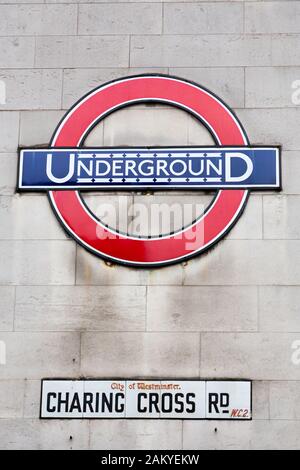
117, 167
64, 179
236, 179
192, 170
214, 167
87, 169
149, 171
103, 172
130, 166
179, 172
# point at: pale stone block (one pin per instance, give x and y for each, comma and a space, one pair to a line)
8, 173
32, 399
11, 398
167, 275
281, 217
37, 262
82, 51
36, 355
200, 50
136, 434
244, 262
7, 303
272, 17
203, 18
279, 308
31, 20
269, 126
26, 216
122, 18
17, 52
285, 49
9, 131
260, 400
62, 308
143, 354
32, 89
37, 127
285, 400
271, 87
290, 171
34, 434
257, 356
202, 308
237, 435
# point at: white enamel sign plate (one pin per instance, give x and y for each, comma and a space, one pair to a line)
161, 399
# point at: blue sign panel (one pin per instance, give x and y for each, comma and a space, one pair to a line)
140, 168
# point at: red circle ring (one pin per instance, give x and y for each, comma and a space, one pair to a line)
101, 240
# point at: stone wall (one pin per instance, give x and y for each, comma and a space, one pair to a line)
231, 313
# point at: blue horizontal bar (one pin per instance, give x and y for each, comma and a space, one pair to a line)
141, 168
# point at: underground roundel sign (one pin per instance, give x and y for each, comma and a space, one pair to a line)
232, 168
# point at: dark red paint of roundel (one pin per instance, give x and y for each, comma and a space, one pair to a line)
217, 220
